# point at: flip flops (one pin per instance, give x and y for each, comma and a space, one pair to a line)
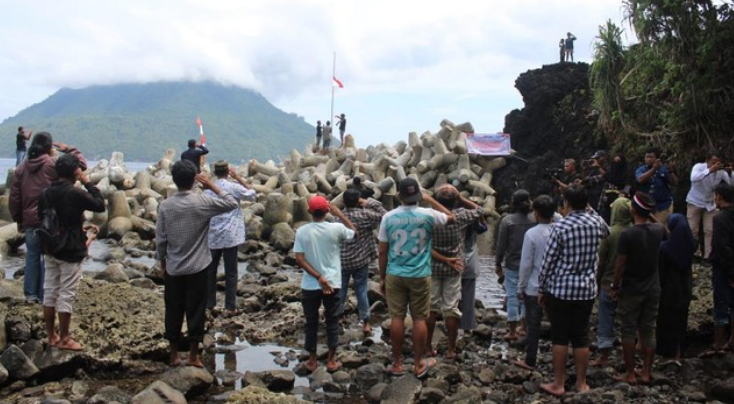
713, 351
430, 364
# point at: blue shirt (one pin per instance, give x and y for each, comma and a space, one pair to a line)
408, 231
320, 243
658, 186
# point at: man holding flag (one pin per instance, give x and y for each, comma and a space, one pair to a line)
194, 152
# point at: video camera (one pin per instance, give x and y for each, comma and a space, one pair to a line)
551, 173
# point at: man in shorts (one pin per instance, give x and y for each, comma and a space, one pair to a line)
405, 269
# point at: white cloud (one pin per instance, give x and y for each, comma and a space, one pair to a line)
456, 56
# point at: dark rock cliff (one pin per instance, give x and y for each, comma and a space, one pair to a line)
556, 123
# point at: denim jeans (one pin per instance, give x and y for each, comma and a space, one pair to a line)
723, 297
311, 301
230, 278
361, 277
35, 270
533, 317
515, 308
605, 331
19, 156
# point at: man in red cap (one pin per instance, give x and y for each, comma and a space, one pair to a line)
317, 249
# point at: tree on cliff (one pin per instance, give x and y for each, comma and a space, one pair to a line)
674, 86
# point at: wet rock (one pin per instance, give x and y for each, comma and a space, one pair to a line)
282, 237
4, 375
467, 395
143, 283
17, 364
448, 372
252, 379
333, 387
260, 395
159, 393
369, 375
318, 378
352, 360
56, 363
404, 390
189, 380
18, 329
228, 377
487, 376
114, 273
482, 332
374, 393
341, 377
109, 395
431, 395
116, 254
277, 380
724, 390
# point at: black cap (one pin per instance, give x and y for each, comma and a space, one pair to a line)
599, 154
410, 191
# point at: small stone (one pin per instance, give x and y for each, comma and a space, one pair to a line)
159, 393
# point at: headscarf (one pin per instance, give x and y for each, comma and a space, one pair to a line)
621, 214
680, 246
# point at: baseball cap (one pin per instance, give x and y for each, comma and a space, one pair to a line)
410, 191
599, 154
318, 202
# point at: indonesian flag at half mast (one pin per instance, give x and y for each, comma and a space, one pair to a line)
202, 138
337, 83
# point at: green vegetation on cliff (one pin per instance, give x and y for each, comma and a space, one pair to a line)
675, 87
143, 120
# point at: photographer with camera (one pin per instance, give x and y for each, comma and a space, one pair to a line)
657, 178
595, 179
566, 177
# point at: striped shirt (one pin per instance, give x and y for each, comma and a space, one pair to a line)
449, 241
571, 255
362, 250
182, 230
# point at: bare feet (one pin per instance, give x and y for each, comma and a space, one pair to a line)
552, 389
431, 353
645, 378
522, 364
599, 362
367, 329
396, 370
69, 345
195, 362
175, 360
311, 366
580, 388
511, 337
626, 378
451, 355
53, 340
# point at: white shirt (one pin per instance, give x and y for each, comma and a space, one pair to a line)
703, 183
228, 229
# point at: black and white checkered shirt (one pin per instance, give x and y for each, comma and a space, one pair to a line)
362, 250
571, 255
449, 240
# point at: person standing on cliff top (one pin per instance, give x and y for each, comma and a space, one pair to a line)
318, 135
194, 153
326, 131
317, 249
342, 122
182, 249
569, 46
562, 50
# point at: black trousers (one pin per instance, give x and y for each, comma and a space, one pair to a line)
312, 300
185, 295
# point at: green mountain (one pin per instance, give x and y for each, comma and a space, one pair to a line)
143, 120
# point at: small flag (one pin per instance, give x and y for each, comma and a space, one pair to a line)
337, 83
202, 138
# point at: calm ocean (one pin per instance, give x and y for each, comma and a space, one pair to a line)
6, 164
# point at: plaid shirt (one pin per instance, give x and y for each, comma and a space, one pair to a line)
571, 255
182, 230
449, 240
362, 250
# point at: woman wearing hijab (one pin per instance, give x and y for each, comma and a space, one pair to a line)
676, 284
621, 219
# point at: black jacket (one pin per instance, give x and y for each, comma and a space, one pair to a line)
70, 203
722, 241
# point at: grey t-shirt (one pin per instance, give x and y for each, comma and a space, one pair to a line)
640, 244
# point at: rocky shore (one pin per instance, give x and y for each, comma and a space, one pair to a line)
119, 311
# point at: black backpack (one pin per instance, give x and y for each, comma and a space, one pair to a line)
53, 237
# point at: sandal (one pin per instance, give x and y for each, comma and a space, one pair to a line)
430, 364
713, 351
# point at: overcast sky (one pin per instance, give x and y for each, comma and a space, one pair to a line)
405, 65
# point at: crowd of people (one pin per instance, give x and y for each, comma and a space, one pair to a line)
596, 239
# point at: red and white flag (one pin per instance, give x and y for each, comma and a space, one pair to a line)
337, 83
202, 138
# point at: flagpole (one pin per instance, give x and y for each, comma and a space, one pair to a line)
333, 75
